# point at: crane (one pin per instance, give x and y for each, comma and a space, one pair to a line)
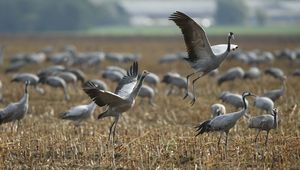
122, 100
223, 123
202, 57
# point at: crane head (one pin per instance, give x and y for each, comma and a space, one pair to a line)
248, 94
231, 35
275, 111
145, 73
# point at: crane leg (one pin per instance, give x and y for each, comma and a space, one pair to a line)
226, 143
187, 85
226, 140
193, 88
114, 130
266, 142
151, 102
110, 129
256, 136
221, 133
170, 91
18, 124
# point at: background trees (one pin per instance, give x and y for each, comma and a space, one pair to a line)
231, 12
57, 15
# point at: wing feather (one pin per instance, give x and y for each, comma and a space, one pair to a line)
128, 82
101, 97
196, 41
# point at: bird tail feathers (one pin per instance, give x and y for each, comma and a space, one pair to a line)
63, 115
203, 127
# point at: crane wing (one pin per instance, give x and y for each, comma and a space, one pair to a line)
101, 97
128, 82
196, 41
221, 48
7, 113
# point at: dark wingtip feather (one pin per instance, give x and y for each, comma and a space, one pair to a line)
203, 127
178, 15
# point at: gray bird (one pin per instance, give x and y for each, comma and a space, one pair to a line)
252, 73
146, 92
264, 103
234, 99
31, 78
231, 74
217, 109
168, 58
78, 73
202, 57
56, 82
99, 83
117, 69
69, 77
115, 57
152, 79
15, 111
296, 72
264, 122
79, 113
223, 123
122, 100
50, 71
276, 73
277, 93
174, 80
112, 75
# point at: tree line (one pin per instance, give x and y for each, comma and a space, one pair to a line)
57, 15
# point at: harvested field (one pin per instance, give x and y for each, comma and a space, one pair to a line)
161, 137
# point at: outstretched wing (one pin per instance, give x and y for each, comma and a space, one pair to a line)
128, 82
196, 42
101, 97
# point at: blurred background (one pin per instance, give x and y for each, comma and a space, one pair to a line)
147, 17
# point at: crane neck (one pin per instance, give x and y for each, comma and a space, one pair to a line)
275, 120
92, 105
245, 103
228, 44
283, 86
25, 97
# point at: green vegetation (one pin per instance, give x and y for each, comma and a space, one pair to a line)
173, 30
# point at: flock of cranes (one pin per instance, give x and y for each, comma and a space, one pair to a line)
203, 58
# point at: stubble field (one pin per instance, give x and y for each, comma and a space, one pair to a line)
160, 137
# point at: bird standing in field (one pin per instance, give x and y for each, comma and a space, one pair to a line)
264, 103
79, 113
202, 57
15, 111
32, 78
223, 123
122, 100
217, 109
277, 93
264, 122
